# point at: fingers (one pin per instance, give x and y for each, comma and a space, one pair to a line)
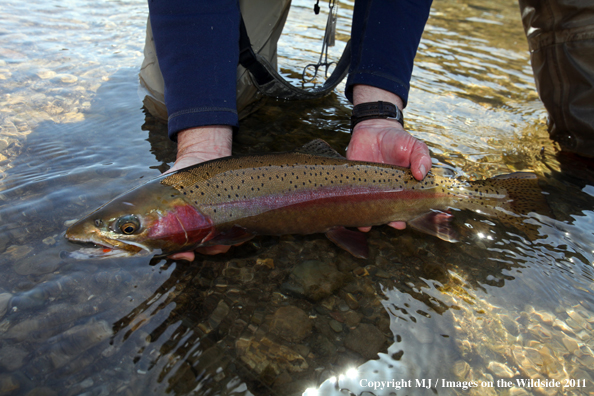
420, 160
187, 256
399, 225
207, 250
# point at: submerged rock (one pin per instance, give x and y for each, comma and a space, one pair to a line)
314, 280
263, 356
291, 324
366, 340
4, 300
500, 370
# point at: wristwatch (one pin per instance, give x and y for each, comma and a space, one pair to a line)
372, 110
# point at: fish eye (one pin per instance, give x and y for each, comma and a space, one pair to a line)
128, 224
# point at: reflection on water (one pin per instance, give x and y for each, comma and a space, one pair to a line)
293, 314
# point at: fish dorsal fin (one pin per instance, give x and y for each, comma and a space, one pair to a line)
319, 147
516, 175
443, 172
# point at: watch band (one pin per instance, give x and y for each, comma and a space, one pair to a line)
373, 110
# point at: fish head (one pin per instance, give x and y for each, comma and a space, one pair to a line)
153, 218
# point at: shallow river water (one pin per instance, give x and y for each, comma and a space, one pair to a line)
287, 315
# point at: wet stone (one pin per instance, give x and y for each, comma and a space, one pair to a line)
335, 325
269, 263
17, 252
291, 324
65, 78
571, 344
343, 306
315, 279
366, 340
42, 391
35, 264
265, 355
8, 384
322, 346
12, 357
352, 318
46, 74
4, 300
500, 370
351, 301
461, 369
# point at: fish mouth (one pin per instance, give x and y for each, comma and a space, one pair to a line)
98, 247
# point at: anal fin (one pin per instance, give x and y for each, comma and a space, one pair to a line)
437, 224
354, 242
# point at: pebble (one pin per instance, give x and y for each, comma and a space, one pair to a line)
65, 78
343, 306
46, 74
322, 346
352, 318
461, 369
316, 279
8, 384
336, 325
500, 370
366, 340
18, 252
515, 391
291, 323
4, 300
42, 391
12, 357
49, 241
266, 355
266, 262
570, 344
35, 264
72, 117
577, 319
351, 301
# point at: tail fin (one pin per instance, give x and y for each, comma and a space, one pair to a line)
524, 197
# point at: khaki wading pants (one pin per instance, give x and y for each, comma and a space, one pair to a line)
561, 38
264, 20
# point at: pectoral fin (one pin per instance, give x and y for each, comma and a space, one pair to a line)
353, 242
437, 224
232, 236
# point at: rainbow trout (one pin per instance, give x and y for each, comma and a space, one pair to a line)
311, 190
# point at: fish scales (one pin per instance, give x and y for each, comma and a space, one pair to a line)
313, 189
302, 188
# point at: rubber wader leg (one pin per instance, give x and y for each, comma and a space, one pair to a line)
561, 39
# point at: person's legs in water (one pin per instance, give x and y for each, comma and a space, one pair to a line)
561, 38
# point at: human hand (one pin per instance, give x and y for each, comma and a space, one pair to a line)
202, 144
386, 141
197, 145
